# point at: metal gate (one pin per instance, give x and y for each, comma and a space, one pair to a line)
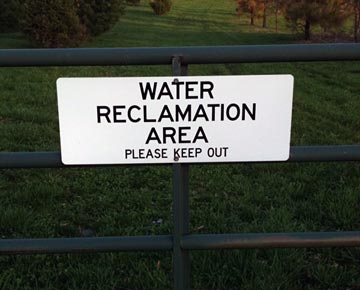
182, 241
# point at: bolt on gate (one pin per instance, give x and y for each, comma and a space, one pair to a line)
182, 241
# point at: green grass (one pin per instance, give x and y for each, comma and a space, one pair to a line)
224, 198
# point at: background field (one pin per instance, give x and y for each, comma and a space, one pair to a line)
224, 198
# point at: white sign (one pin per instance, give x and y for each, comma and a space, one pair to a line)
175, 119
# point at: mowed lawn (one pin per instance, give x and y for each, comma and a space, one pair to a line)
236, 198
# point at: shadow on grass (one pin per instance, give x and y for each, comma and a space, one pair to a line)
13, 40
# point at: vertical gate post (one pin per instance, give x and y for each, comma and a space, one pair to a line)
181, 258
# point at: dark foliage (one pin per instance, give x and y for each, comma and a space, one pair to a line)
52, 23
66, 23
10, 13
133, 2
161, 7
99, 16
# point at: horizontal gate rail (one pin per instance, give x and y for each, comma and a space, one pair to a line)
188, 54
297, 154
275, 240
85, 245
187, 242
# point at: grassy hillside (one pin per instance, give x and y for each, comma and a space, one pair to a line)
224, 198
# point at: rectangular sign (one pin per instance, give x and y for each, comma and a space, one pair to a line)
175, 119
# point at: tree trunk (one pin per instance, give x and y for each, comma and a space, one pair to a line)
307, 29
276, 15
356, 26
264, 15
252, 16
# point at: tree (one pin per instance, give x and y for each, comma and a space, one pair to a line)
264, 12
10, 13
63, 23
329, 14
254, 7
356, 20
99, 15
333, 15
279, 5
52, 23
303, 14
355, 7
133, 2
161, 7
